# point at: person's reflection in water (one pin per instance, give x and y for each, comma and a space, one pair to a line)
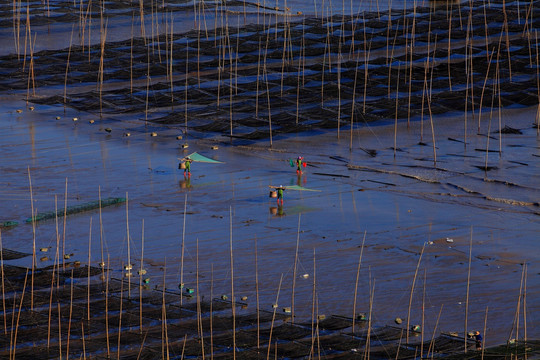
301, 180
277, 211
186, 183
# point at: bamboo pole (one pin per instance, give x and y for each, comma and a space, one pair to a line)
182, 249
3, 288
67, 67
431, 348
356, 282
89, 267
233, 305
257, 293
353, 103
484, 334
423, 316
212, 313
525, 304
412, 291
413, 33
59, 331
449, 49
142, 271
14, 346
368, 336
64, 220
70, 314
313, 300
275, 306
129, 266
33, 240
295, 268
199, 315
186, 90
483, 89
102, 263
107, 308
467, 297
396, 116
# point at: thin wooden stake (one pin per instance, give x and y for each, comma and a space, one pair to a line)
356, 282
467, 297
412, 291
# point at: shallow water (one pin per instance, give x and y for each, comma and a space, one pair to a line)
398, 214
403, 202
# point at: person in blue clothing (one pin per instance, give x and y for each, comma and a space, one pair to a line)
478, 340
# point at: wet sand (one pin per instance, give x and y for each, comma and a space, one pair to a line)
420, 197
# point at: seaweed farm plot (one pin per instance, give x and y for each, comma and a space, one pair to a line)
260, 80
72, 311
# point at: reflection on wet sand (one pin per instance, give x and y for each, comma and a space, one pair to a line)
277, 211
185, 183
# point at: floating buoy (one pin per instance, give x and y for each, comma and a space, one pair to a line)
31, 108
185, 146
287, 310
91, 121
141, 272
190, 290
321, 317
18, 111
215, 147
305, 276
58, 118
77, 263
274, 306
179, 137
101, 264
128, 267
153, 134
224, 297
43, 258
67, 256
127, 134
108, 130
128, 274
44, 249
361, 317
75, 119
146, 281
398, 320
449, 240
416, 328
244, 298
